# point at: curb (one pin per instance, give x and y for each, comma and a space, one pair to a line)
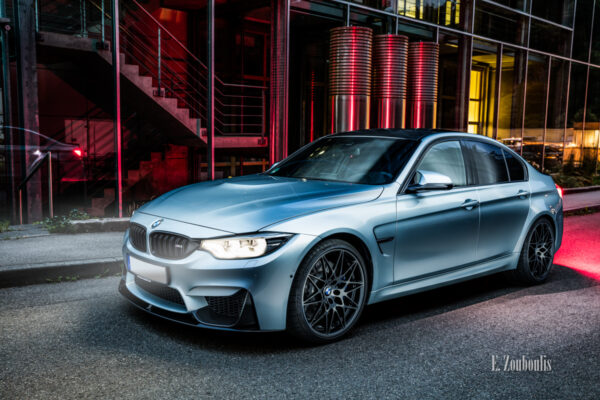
580, 189
574, 211
100, 225
22, 275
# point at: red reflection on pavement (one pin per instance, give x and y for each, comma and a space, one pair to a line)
580, 248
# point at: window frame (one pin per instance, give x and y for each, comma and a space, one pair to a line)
413, 168
521, 163
475, 179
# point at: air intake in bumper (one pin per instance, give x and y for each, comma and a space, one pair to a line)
229, 311
159, 290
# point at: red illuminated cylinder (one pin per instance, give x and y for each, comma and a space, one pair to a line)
423, 59
350, 77
389, 83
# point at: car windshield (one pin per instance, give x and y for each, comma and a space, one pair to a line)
364, 160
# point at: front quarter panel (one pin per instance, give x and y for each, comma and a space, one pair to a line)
363, 221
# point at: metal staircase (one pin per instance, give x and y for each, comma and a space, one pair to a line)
160, 66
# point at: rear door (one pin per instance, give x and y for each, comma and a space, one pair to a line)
436, 231
504, 196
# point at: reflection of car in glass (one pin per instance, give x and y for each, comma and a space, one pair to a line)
46, 143
68, 156
348, 220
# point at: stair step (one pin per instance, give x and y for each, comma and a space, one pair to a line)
182, 114
145, 167
155, 157
133, 176
109, 193
132, 69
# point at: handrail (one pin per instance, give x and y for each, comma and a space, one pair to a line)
141, 7
180, 73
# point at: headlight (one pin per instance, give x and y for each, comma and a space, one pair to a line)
250, 246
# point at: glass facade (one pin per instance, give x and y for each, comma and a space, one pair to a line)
524, 72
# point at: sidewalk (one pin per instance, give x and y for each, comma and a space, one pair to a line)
42, 257
579, 200
29, 254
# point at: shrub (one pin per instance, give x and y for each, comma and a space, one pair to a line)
62, 223
4, 226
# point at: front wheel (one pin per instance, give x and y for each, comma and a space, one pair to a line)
537, 254
328, 293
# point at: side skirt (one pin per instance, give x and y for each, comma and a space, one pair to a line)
445, 278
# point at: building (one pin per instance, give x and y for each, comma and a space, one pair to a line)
282, 73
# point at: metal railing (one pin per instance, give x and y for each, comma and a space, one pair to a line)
176, 72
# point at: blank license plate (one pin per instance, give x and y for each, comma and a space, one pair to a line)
146, 270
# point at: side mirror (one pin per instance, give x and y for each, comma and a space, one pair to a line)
429, 180
274, 165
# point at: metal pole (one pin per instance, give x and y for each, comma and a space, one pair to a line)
7, 112
348, 14
210, 109
159, 62
83, 19
102, 19
565, 124
50, 188
496, 121
117, 104
524, 108
37, 16
20, 207
546, 112
27, 102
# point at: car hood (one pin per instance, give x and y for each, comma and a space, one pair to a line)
249, 203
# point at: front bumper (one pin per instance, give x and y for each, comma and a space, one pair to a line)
249, 294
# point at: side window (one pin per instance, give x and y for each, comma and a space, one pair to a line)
516, 170
446, 158
488, 166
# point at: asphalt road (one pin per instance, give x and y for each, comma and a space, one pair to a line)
82, 340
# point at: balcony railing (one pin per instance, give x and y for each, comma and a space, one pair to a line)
175, 70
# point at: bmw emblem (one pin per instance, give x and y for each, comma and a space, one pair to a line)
327, 291
156, 223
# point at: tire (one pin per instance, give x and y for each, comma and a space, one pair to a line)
328, 294
537, 254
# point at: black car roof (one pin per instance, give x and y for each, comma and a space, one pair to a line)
410, 134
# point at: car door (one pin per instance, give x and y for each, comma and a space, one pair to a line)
504, 197
436, 230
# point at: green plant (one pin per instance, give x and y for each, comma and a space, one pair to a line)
4, 226
77, 215
58, 224
63, 223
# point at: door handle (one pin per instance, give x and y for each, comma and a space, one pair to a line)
469, 204
522, 194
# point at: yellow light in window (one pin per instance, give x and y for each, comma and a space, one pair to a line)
448, 13
475, 90
457, 15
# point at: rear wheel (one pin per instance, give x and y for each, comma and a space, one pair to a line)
328, 293
537, 254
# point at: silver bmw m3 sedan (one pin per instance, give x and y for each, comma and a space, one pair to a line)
348, 220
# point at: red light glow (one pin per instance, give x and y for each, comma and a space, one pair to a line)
78, 152
560, 191
580, 249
